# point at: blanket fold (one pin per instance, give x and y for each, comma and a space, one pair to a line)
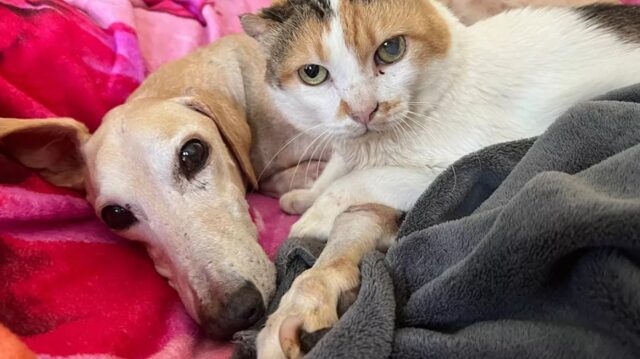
525, 249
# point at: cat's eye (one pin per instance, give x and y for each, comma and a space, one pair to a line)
313, 75
192, 157
118, 218
391, 51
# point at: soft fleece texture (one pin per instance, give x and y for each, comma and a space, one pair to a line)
529, 249
69, 287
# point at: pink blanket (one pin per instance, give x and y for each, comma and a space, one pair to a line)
68, 286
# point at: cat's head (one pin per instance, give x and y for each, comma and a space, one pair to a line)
354, 67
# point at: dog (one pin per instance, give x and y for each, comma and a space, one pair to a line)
171, 167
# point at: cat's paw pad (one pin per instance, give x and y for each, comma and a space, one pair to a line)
297, 201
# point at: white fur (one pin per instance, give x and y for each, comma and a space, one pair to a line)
505, 78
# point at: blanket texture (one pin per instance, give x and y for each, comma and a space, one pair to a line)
68, 286
528, 249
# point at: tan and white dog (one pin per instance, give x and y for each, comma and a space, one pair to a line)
170, 168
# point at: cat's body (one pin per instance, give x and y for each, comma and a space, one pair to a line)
396, 125
501, 79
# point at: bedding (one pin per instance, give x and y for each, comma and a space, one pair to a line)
527, 249
69, 287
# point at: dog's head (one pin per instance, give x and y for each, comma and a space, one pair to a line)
171, 174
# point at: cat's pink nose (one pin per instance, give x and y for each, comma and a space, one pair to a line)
365, 115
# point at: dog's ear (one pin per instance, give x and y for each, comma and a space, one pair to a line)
231, 122
52, 147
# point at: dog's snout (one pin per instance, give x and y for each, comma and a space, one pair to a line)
244, 308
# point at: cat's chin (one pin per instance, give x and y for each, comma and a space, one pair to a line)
365, 133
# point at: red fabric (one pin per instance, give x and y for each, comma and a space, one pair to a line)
56, 62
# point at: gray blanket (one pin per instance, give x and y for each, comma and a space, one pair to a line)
528, 249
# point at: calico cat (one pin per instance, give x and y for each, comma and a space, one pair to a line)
404, 89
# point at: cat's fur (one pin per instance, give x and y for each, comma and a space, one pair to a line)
456, 90
471, 11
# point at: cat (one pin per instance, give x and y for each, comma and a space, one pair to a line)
404, 89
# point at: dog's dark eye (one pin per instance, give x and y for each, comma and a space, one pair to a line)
193, 156
118, 218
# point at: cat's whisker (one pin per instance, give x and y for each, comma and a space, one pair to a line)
295, 172
419, 119
323, 140
425, 117
453, 169
397, 131
417, 123
408, 133
405, 129
290, 141
322, 155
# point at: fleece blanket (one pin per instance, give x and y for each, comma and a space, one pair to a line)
528, 249
69, 287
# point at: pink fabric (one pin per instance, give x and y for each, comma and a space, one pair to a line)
68, 286
167, 29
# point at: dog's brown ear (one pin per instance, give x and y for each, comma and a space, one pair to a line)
231, 122
52, 147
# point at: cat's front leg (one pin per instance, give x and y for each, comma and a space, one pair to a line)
299, 200
311, 303
396, 187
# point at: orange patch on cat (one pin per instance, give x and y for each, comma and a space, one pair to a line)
343, 110
309, 43
367, 25
388, 106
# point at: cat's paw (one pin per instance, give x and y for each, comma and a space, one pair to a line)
310, 306
297, 201
313, 224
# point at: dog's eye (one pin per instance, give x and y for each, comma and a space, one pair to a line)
193, 156
118, 218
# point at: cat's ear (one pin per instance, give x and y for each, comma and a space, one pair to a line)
257, 26
263, 24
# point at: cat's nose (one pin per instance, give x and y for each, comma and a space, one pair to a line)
365, 114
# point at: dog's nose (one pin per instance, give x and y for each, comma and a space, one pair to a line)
244, 308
